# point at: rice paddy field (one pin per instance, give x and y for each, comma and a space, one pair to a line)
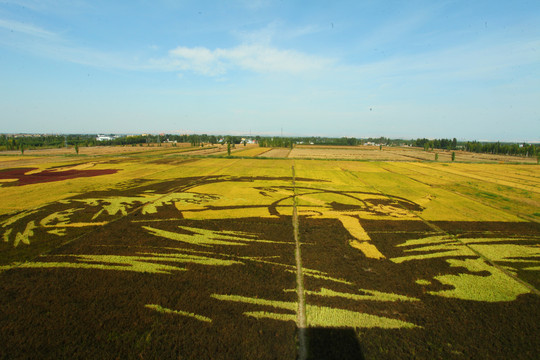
161, 254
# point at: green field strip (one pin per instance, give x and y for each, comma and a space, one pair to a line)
317, 316
367, 295
163, 310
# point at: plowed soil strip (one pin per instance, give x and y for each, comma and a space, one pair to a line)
301, 312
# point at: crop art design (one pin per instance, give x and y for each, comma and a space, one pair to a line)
204, 265
160, 207
479, 280
348, 207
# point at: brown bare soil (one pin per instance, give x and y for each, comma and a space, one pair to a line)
23, 178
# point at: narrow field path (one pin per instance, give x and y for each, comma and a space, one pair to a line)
301, 312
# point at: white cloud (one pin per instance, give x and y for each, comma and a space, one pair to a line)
256, 58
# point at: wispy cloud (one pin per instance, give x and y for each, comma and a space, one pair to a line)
46, 43
256, 55
26, 29
255, 58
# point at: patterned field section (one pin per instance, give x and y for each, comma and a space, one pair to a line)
53, 212
511, 188
506, 238
188, 267
411, 284
38, 183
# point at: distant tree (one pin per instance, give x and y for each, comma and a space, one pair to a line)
77, 148
245, 142
426, 146
454, 144
436, 156
453, 155
228, 149
380, 147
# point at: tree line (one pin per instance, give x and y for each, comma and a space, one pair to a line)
14, 142
523, 149
22, 142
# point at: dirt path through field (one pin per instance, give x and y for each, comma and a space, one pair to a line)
301, 312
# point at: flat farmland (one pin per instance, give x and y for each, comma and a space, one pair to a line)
148, 256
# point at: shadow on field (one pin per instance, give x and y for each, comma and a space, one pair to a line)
333, 343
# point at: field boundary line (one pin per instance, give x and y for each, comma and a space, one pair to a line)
301, 312
441, 231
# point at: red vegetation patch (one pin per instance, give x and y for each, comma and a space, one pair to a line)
47, 175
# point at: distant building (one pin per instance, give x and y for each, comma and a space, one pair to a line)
103, 138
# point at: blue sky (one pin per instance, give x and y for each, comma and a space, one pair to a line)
464, 69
